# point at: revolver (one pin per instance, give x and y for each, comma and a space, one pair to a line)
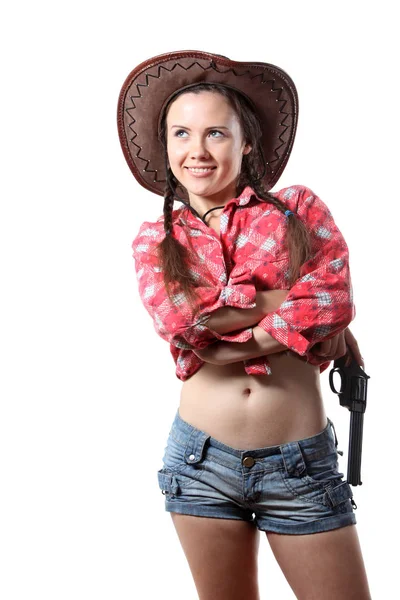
353, 395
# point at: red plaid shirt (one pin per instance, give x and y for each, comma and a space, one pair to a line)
250, 255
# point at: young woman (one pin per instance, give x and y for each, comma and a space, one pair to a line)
252, 291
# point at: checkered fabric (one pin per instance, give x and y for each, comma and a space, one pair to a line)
249, 255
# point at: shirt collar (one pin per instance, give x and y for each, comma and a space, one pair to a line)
243, 199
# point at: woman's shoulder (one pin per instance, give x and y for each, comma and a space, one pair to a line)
301, 199
149, 234
153, 232
294, 193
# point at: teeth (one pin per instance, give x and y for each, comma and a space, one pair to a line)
198, 170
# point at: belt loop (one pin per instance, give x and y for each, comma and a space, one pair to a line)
334, 431
293, 459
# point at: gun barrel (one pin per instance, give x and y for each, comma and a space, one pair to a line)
355, 448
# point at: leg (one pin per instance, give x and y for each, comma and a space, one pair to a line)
222, 556
326, 565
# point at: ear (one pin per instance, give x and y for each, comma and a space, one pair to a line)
248, 148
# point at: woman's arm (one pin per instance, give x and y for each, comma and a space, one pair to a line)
262, 344
227, 319
224, 353
175, 319
338, 346
320, 302
223, 309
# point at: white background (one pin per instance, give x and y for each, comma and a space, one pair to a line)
88, 388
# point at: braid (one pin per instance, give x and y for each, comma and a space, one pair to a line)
169, 197
174, 257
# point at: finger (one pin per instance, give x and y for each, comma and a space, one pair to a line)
341, 349
352, 343
351, 357
334, 345
355, 350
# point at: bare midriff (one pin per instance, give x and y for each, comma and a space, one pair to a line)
254, 411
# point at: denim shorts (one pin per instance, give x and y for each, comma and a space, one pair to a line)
292, 488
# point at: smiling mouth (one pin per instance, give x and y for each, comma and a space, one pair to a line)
200, 169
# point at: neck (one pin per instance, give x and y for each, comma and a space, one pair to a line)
202, 204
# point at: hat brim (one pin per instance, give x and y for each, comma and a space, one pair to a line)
149, 86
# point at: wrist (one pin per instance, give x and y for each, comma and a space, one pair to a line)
262, 303
264, 343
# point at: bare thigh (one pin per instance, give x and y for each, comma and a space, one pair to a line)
326, 565
222, 556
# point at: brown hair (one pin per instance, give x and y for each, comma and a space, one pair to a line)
175, 258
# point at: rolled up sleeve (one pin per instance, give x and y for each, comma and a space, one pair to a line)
320, 303
177, 322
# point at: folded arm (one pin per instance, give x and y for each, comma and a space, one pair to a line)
320, 303
177, 322
312, 319
263, 344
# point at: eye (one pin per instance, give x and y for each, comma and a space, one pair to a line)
179, 131
211, 132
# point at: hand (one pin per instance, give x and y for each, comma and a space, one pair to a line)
353, 345
331, 349
338, 346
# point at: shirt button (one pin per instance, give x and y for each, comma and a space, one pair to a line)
248, 461
192, 457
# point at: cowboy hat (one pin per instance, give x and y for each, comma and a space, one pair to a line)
151, 85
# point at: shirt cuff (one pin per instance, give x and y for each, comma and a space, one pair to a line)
236, 296
285, 334
239, 296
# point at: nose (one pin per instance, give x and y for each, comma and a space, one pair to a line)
198, 149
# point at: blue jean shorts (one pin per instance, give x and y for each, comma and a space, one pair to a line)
292, 488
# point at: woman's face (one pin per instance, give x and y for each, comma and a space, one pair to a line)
205, 146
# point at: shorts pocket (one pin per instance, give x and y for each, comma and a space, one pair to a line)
320, 481
168, 483
322, 467
181, 468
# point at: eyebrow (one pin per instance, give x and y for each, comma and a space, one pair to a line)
213, 127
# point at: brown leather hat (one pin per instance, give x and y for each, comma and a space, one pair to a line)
151, 84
